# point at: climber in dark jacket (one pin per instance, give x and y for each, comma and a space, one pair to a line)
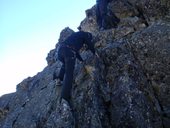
101, 15
68, 51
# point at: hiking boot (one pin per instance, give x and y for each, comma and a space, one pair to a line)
58, 82
66, 104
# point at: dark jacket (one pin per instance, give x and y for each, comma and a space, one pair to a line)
76, 41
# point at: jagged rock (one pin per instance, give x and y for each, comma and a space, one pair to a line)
51, 59
89, 23
151, 49
62, 117
148, 11
65, 33
127, 87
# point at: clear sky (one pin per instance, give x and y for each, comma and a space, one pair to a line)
29, 29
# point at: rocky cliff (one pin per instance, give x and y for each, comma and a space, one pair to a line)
128, 87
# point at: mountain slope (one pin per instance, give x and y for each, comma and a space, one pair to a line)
129, 86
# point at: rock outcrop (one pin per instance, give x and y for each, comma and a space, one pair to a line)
128, 87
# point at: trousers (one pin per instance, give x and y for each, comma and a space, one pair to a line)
68, 57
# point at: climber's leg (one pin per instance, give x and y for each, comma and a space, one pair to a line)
68, 78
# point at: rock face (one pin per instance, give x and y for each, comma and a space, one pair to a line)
128, 87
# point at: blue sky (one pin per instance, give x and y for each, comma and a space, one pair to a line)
29, 29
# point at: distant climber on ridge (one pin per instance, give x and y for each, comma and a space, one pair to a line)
102, 19
68, 51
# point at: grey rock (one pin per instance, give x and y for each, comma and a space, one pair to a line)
127, 87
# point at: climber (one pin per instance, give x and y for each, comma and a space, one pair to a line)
68, 51
104, 21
